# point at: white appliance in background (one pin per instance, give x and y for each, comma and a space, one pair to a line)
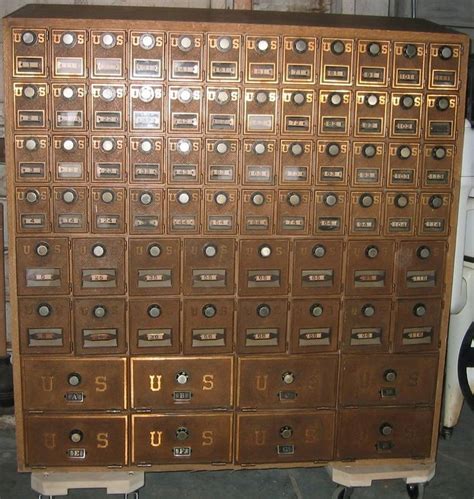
461, 324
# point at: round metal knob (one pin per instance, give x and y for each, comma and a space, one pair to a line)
146, 93
286, 432
264, 310
69, 196
386, 429
74, 379
69, 39
293, 199
108, 93
261, 97
435, 202
42, 249
146, 198
409, 51
300, 46
371, 100
99, 312
44, 310
374, 49
257, 198
423, 252
438, 152
445, 52
185, 43
184, 198
145, 146
108, 145
442, 103
259, 148
185, 95
32, 197
221, 198
184, 146
265, 251
371, 252
368, 310
369, 150
333, 149
98, 250
210, 250
262, 46
419, 310
154, 311
335, 99
69, 145
222, 147
28, 38
288, 378
224, 43
147, 41
108, 40
29, 91
296, 149
330, 199
68, 93
390, 375
154, 250
407, 101
182, 433
182, 377
31, 144
401, 201
366, 200
298, 98
222, 97
404, 152
338, 47
76, 436
209, 311
319, 251
107, 196
316, 310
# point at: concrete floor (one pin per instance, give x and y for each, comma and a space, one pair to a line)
454, 478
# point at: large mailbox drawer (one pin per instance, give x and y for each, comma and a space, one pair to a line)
65, 384
182, 439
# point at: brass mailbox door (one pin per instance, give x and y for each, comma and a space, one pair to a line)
441, 116
374, 380
108, 107
403, 165
366, 325
317, 267
146, 215
184, 161
433, 215
32, 158
222, 160
259, 162
70, 162
182, 439
77, 385
146, 162
373, 63
182, 383
438, 166
108, 56
287, 382
208, 326
108, 210
147, 55
154, 325
146, 108
224, 57
384, 433
370, 114
336, 61
263, 268
220, 211
223, 110
296, 162
70, 209
405, 115
297, 110
185, 56
262, 326
285, 437
416, 324
45, 325
108, 159
76, 441
366, 213
369, 268
185, 109
368, 160
69, 107
30, 56
43, 267
31, 106
299, 60
262, 56
260, 110
98, 266
154, 267
208, 266
444, 66
420, 268
400, 213
314, 325
293, 212
33, 209
408, 64
100, 326
334, 112
329, 213
332, 162
256, 216
69, 55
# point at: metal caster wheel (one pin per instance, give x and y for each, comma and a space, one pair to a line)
447, 432
342, 492
132, 495
415, 490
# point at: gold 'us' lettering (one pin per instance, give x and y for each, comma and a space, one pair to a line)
208, 382
101, 383
155, 438
261, 382
310, 436
260, 437
47, 383
207, 438
50, 440
102, 440
155, 382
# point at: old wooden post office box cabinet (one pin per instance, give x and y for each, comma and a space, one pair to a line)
232, 236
